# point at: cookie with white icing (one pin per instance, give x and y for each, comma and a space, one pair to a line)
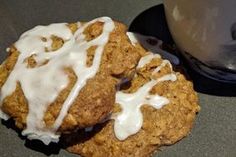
62, 77
156, 108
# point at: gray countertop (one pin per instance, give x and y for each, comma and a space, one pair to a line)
214, 133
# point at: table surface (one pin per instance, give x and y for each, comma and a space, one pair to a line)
214, 133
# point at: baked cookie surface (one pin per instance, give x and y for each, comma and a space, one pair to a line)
162, 125
63, 77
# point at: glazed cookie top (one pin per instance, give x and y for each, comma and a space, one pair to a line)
129, 121
41, 85
41, 66
157, 107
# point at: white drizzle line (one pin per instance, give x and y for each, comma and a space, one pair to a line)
132, 38
129, 121
41, 85
86, 73
163, 64
147, 59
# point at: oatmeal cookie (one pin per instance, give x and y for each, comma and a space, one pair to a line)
162, 125
63, 77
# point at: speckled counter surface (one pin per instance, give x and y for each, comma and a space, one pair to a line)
214, 133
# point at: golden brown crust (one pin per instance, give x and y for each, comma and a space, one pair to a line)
164, 126
16, 106
8, 65
96, 99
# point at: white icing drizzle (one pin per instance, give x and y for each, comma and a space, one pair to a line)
129, 121
147, 59
41, 85
163, 64
132, 38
